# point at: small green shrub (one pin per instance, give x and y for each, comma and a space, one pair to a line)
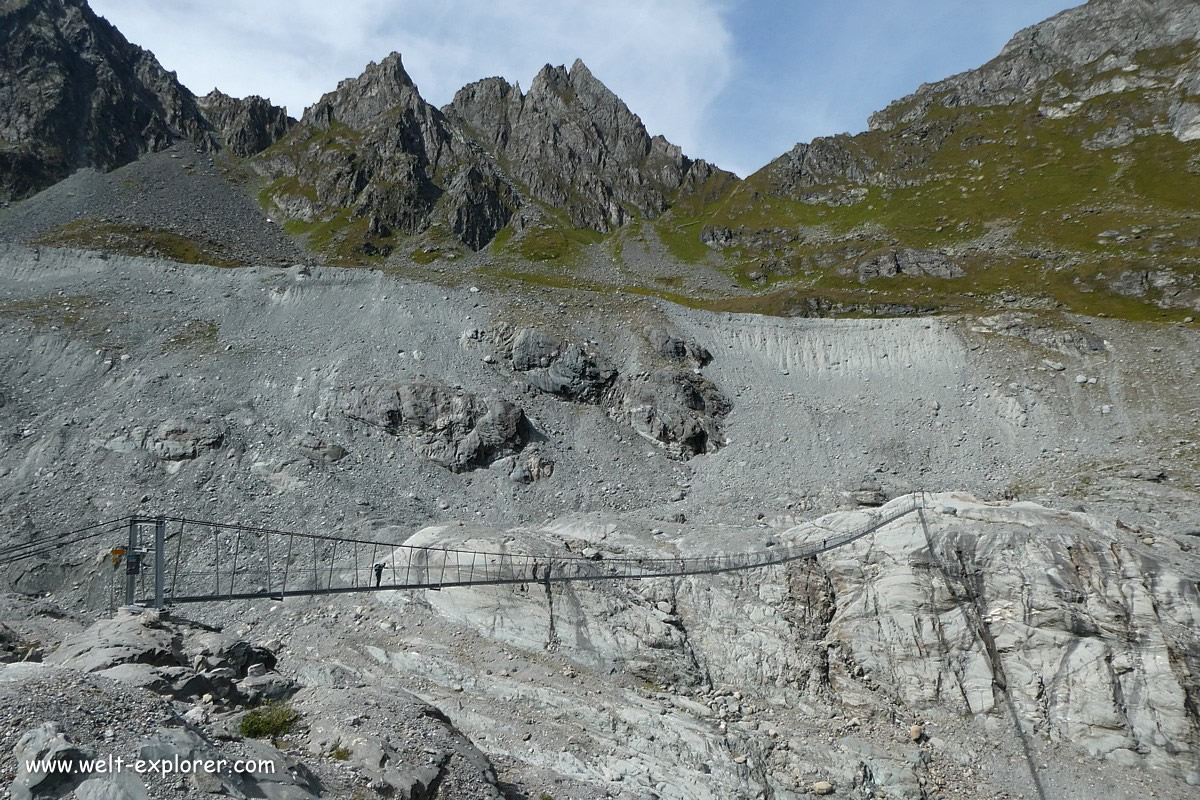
269, 720
340, 753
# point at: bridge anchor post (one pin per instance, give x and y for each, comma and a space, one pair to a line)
160, 548
132, 563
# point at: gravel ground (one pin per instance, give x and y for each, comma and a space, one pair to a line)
101, 354
197, 195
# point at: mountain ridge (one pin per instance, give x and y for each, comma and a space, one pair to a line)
1056, 175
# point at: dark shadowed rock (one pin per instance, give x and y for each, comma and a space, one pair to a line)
247, 125
77, 94
452, 428
678, 411
909, 262
675, 348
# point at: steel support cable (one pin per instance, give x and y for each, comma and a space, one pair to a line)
43, 548
659, 564
580, 568
40, 544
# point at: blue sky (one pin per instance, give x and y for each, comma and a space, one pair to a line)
735, 81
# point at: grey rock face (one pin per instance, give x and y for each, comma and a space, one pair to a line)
172, 440
574, 144
575, 375
675, 348
566, 370
85, 97
247, 125
525, 468
532, 348
47, 741
909, 261
481, 203
445, 763
173, 659
1102, 35
822, 162
374, 146
678, 411
454, 429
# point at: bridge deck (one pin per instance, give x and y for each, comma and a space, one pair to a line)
197, 561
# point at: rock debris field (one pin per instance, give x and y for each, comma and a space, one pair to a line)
1030, 635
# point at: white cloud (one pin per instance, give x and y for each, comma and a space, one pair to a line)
667, 59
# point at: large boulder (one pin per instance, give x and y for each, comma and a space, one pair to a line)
532, 348
674, 348
46, 742
172, 440
451, 427
568, 371
678, 411
174, 659
576, 375
909, 261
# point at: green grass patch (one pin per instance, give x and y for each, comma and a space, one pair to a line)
502, 238
558, 243
681, 237
425, 255
194, 334
135, 240
269, 721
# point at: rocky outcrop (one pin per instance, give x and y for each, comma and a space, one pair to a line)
574, 145
402, 748
172, 440
525, 468
1036, 622
908, 261
1053, 609
376, 150
1101, 37
77, 94
678, 411
174, 659
823, 162
247, 125
554, 367
676, 348
452, 428
339, 739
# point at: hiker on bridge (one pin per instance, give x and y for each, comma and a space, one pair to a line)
378, 574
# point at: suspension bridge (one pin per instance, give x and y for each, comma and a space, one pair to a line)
169, 560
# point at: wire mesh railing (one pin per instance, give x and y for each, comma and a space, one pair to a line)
208, 561
191, 561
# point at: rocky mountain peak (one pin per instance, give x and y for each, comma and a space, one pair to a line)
1099, 38
567, 152
247, 125
82, 96
358, 102
574, 144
